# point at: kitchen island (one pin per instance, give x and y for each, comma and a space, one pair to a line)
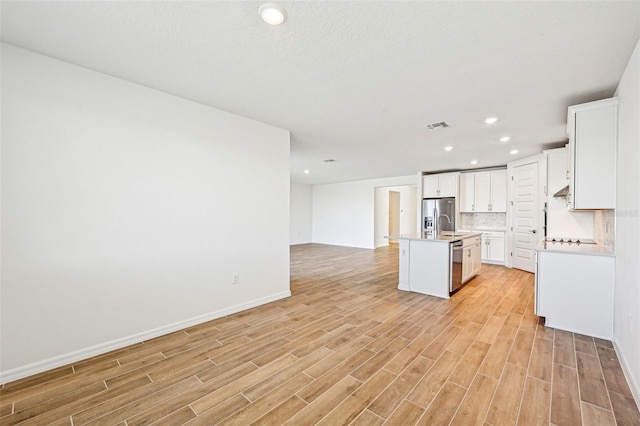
430, 264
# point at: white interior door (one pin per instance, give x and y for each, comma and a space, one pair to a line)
525, 216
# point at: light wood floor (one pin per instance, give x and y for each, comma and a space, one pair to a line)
347, 348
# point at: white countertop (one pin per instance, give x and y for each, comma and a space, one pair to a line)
443, 237
589, 249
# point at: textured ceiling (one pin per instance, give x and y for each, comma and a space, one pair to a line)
357, 81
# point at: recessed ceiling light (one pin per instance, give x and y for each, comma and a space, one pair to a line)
491, 120
513, 151
272, 14
474, 161
505, 139
448, 148
306, 171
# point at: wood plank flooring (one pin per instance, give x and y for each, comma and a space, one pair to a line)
347, 348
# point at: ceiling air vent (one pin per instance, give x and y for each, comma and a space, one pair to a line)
436, 126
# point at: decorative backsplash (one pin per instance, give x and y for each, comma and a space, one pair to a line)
603, 224
603, 227
480, 220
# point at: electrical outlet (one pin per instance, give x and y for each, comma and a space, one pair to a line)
235, 278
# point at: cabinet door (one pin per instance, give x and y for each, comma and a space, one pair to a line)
430, 187
595, 162
484, 249
572, 162
483, 192
495, 249
467, 265
467, 192
447, 185
499, 191
475, 254
592, 130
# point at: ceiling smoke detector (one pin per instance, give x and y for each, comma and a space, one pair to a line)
436, 126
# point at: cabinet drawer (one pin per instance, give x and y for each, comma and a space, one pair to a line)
471, 241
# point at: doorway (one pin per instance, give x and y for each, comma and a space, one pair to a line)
395, 212
394, 215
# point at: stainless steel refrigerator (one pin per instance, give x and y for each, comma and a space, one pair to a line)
438, 215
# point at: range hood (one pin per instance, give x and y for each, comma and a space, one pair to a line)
563, 193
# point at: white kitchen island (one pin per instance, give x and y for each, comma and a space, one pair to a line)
426, 261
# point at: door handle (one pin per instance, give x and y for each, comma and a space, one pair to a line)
533, 231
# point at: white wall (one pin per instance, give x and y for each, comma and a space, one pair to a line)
408, 201
627, 240
560, 221
343, 213
300, 214
125, 212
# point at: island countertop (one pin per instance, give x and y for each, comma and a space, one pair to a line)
442, 237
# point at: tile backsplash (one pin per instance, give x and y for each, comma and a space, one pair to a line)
480, 220
603, 227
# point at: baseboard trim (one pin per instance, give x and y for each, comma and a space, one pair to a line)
82, 354
635, 389
493, 262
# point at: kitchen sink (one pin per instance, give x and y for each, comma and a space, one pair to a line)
451, 234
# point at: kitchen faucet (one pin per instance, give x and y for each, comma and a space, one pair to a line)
440, 221
448, 218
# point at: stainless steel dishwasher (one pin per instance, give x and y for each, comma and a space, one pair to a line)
455, 271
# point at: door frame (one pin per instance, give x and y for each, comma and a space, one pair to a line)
381, 211
542, 195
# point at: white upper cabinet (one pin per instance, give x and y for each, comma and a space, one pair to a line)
483, 192
437, 186
499, 191
430, 186
592, 131
467, 190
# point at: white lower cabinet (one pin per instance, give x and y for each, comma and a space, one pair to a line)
493, 247
574, 292
471, 254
